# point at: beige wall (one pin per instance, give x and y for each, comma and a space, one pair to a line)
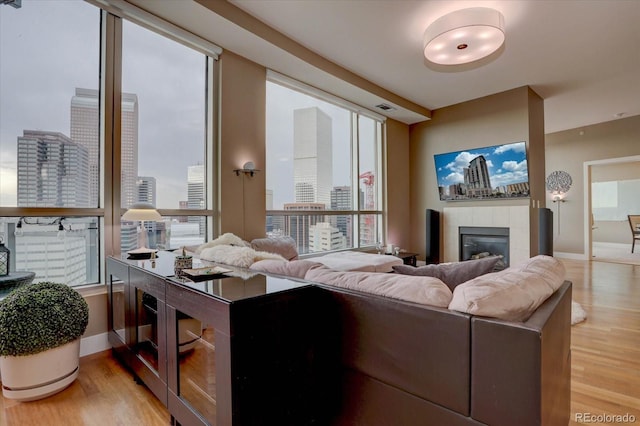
242, 199
512, 116
568, 151
97, 313
399, 192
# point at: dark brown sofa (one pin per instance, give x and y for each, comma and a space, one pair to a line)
401, 363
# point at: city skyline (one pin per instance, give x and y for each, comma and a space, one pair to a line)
42, 65
506, 165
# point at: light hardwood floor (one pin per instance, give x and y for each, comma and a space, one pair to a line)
605, 377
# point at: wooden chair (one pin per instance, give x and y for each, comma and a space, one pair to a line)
634, 223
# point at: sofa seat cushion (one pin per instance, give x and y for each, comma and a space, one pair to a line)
512, 294
295, 268
452, 274
358, 261
423, 290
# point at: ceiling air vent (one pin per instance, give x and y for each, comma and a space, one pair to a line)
385, 107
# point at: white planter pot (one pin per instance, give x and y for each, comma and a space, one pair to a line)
31, 377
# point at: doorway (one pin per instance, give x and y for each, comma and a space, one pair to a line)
612, 191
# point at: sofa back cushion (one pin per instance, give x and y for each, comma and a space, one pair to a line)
424, 290
452, 274
512, 294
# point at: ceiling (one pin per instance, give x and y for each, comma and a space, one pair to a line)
581, 56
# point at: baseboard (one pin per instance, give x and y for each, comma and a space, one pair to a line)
619, 246
574, 256
93, 344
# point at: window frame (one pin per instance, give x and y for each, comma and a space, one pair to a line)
109, 71
356, 213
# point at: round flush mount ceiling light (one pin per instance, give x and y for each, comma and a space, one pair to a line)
464, 36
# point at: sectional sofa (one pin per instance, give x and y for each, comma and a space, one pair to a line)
407, 350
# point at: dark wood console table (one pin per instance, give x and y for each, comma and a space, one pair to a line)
232, 350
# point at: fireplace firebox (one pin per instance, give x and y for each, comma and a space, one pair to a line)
482, 241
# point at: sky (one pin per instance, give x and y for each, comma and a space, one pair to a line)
49, 48
507, 164
38, 75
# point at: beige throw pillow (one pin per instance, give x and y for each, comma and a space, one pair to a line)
295, 268
513, 294
284, 246
452, 274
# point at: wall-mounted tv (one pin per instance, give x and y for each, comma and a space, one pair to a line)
491, 173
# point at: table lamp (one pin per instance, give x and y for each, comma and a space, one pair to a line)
142, 212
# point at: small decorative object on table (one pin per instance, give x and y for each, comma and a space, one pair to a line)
181, 263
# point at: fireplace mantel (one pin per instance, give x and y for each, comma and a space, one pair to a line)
516, 218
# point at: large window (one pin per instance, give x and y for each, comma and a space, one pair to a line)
323, 170
163, 136
76, 150
49, 146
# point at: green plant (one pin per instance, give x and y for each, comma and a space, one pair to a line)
39, 317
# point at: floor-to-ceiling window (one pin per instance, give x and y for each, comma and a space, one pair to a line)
97, 114
49, 146
164, 137
323, 169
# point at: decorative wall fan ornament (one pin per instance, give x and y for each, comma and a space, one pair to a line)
558, 184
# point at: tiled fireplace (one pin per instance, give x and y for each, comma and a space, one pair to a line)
515, 219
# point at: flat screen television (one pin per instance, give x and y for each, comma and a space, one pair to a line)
495, 172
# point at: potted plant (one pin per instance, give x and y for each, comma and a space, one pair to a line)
40, 329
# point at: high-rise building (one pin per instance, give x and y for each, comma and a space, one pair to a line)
325, 237
196, 195
53, 171
129, 150
476, 178
341, 199
52, 258
146, 186
297, 226
84, 130
312, 156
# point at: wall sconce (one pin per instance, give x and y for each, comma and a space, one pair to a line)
248, 168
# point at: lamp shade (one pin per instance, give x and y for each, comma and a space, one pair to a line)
464, 36
142, 211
